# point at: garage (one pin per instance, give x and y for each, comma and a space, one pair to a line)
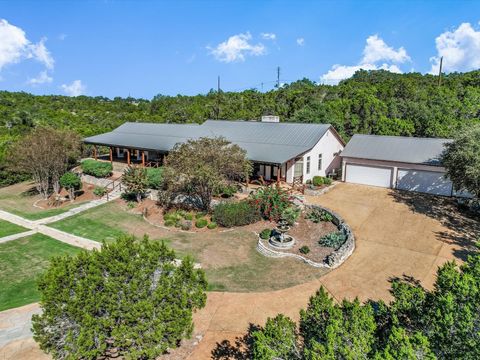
405, 163
429, 182
369, 175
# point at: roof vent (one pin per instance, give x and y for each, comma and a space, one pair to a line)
271, 118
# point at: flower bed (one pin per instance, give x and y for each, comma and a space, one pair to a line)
308, 232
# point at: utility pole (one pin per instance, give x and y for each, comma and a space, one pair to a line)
218, 96
278, 77
440, 72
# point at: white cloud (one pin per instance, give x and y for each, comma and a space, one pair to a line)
236, 48
300, 41
42, 78
268, 36
15, 47
460, 49
377, 55
377, 50
76, 88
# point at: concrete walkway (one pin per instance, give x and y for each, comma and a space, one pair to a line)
393, 239
17, 236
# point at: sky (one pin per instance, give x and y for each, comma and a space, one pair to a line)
144, 48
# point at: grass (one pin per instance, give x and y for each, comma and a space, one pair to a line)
7, 228
18, 199
21, 262
230, 259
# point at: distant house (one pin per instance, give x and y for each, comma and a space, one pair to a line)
405, 163
290, 152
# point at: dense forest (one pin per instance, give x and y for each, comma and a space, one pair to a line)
371, 102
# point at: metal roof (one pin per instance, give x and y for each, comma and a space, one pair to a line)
264, 142
396, 148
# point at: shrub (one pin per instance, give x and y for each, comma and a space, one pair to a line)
291, 214
200, 215
270, 202
185, 225
333, 240
212, 225
201, 223
135, 180
188, 216
173, 217
154, 178
304, 249
71, 182
235, 213
317, 215
327, 181
318, 180
265, 234
226, 191
102, 300
99, 191
96, 168
169, 222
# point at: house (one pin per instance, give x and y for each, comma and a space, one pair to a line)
291, 152
405, 163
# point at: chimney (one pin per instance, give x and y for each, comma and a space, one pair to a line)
271, 118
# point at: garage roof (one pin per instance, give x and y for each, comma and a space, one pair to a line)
264, 142
412, 150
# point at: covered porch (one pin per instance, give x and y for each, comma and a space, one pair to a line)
129, 156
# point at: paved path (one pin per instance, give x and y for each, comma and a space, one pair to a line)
17, 236
392, 239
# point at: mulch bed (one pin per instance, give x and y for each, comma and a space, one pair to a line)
83, 195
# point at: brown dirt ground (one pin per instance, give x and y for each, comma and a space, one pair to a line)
83, 195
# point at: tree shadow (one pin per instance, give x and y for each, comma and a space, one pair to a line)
463, 226
241, 349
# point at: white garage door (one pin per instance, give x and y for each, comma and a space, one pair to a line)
368, 175
429, 182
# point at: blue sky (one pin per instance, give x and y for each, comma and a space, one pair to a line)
143, 48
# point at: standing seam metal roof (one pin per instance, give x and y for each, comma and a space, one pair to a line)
412, 150
263, 141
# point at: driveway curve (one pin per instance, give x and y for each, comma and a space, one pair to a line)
396, 234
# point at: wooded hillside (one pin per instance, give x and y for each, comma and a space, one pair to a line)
376, 102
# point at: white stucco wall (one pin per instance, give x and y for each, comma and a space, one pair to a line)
330, 147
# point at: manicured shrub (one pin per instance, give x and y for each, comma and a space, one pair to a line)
318, 180
199, 215
71, 182
100, 169
173, 217
333, 240
271, 201
304, 249
327, 181
201, 223
188, 216
239, 213
212, 225
103, 300
99, 191
265, 234
291, 214
317, 215
169, 222
154, 178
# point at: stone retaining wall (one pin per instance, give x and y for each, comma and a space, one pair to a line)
332, 261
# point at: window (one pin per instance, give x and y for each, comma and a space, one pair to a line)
319, 161
308, 164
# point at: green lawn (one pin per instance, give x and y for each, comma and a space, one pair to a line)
21, 262
18, 199
7, 228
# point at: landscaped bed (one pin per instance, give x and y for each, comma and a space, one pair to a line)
21, 261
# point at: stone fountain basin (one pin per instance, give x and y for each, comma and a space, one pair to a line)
287, 243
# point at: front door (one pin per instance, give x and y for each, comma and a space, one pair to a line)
298, 169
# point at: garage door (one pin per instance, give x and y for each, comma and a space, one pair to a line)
429, 182
368, 175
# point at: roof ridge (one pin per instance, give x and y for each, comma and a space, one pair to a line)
402, 137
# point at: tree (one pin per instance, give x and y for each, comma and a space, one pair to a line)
197, 168
46, 154
71, 182
277, 340
131, 298
136, 181
462, 160
401, 346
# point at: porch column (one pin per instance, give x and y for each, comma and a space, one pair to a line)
344, 168
143, 158
111, 155
278, 174
95, 152
128, 157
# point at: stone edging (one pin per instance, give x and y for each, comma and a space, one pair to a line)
311, 192
333, 260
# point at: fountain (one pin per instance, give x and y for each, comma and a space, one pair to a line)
279, 239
